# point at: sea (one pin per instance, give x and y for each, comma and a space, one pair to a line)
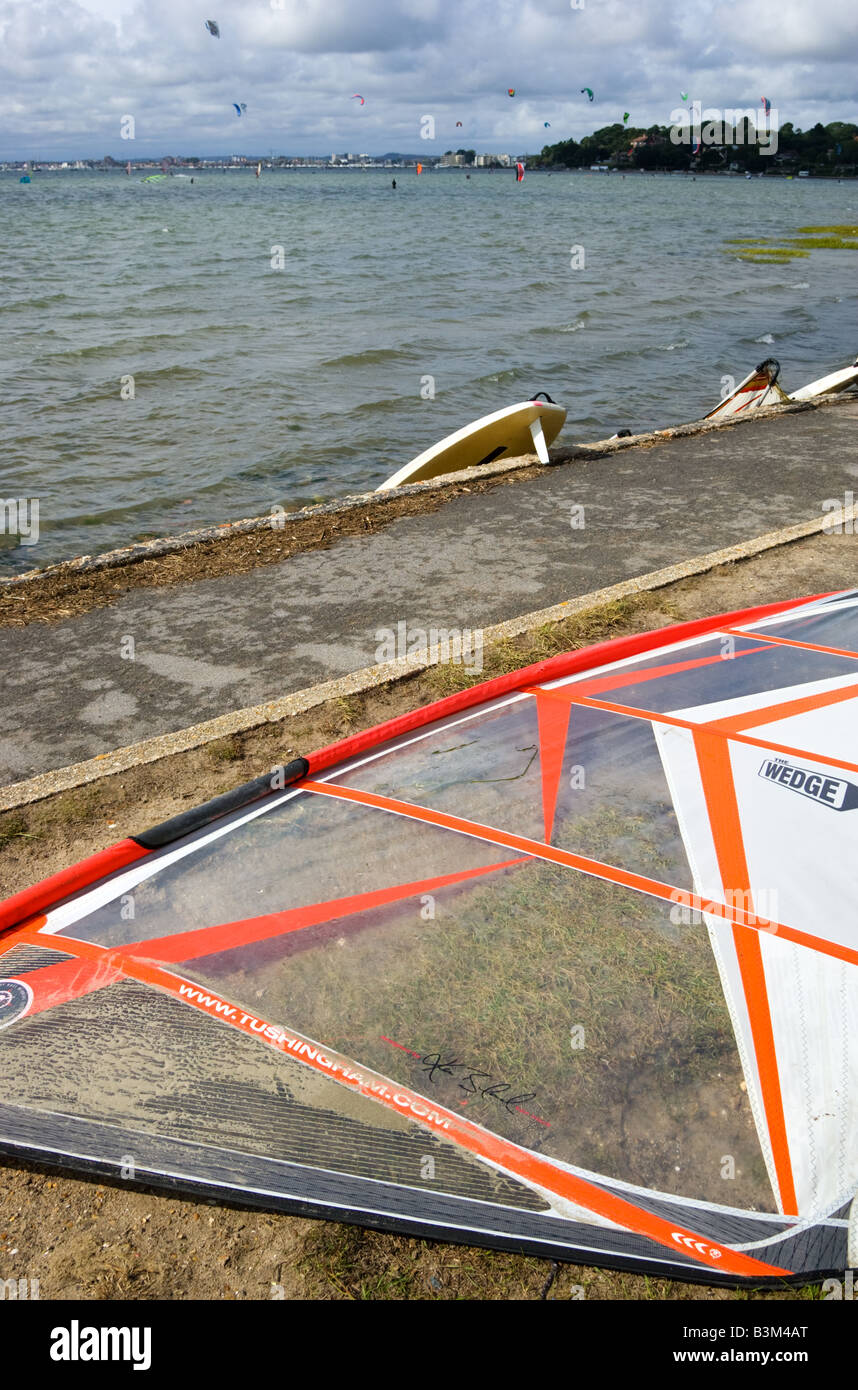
191, 351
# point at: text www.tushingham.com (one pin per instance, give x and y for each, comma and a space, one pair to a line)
315, 1056
759, 1358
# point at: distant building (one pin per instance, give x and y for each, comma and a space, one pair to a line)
649, 139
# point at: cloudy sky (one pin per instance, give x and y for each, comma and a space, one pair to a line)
71, 69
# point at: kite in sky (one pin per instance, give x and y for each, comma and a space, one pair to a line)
510, 91
589, 91
626, 115
547, 125
213, 28
767, 105
458, 123
684, 96
357, 97
240, 108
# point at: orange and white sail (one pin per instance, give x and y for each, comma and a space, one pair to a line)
584, 936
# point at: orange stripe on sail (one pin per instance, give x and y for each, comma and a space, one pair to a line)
553, 721
713, 756
650, 716
754, 718
490, 833
446, 1124
790, 642
57, 984
632, 675
639, 883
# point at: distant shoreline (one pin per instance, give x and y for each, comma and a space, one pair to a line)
248, 166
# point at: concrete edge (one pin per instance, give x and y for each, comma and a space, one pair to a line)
150, 750
170, 545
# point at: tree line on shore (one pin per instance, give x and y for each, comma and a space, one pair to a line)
830, 149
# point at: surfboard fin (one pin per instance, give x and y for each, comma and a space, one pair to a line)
538, 438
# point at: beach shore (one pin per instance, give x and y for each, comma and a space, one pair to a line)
104, 653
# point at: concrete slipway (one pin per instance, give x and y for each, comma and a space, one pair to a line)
476, 560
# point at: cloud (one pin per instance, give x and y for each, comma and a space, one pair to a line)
71, 68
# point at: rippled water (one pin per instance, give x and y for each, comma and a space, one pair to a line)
256, 386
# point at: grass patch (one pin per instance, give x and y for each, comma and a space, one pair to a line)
78, 806
344, 1262
14, 827
836, 229
347, 710
511, 653
347, 1263
765, 249
773, 254
826, 243
226, 750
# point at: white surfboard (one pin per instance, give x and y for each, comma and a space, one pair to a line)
828, 385
526, 428
759, 388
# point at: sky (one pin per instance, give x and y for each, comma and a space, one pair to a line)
72, 69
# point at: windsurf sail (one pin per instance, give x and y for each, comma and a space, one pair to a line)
550, 965
759, 388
